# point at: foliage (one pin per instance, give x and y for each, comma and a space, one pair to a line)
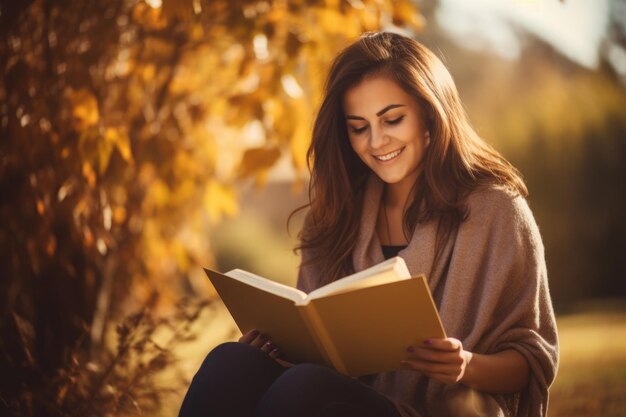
118, 381
123, 129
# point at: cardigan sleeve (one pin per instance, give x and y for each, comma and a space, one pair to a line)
509, 287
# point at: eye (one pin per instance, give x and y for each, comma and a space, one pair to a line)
395, 121
357, 131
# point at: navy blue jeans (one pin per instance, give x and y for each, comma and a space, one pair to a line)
239, 380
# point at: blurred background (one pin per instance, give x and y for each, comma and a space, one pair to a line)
143, 140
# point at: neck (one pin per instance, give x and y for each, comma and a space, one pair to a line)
394, 203
397, 195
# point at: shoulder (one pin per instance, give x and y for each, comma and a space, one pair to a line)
501, 210
487, 201
496, 196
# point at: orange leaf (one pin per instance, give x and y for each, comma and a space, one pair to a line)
84, 109
219, 200
178, 9
257, 159
405, 13
40, 207
105, 148
89, 174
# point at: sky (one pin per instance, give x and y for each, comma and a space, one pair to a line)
575, 27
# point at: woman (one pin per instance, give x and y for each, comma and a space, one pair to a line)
398, 170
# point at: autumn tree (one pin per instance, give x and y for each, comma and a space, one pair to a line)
124, 128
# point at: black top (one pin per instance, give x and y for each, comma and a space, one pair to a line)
389, 251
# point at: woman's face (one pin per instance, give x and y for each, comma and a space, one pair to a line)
387, 129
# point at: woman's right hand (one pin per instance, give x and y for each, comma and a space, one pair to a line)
261, 341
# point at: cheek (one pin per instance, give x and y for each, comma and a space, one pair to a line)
415, 135
411, 132
419, 149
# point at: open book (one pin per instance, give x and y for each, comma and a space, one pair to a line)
359, 325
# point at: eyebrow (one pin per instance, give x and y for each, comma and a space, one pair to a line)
380, 113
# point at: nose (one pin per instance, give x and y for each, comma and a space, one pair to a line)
378, 138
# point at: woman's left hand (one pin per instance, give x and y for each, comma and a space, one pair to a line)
441, 359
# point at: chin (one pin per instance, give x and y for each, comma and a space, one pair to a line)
390, 179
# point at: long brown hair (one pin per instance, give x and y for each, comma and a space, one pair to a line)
456, 161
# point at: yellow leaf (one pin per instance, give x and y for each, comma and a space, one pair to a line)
219, 200
120, 139
123, 147
185, 164
149, 17
116, 138
88, 145
257, 159
84, 109
406, 14
89, 174
299, 146
278, 13
105, 148
180, 254
185, 191
148, 72
229, 202
119, 214
197, 32
370, 19
157, 195
331, 21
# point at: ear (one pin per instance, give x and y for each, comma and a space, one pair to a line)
427, 137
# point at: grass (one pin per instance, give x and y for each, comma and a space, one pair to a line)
591, 380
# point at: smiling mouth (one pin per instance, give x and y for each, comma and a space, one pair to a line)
389, 156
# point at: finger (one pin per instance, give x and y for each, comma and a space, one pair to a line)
249, 336
449, 344
432, 355
268, 346
284, 363
431, 368
260, 340
274, 353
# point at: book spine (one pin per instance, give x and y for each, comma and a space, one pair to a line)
322, 338
304, 313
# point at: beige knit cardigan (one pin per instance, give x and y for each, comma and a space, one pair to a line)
491, 289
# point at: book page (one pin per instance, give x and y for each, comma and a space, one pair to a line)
370, 328
267, 285
393, 269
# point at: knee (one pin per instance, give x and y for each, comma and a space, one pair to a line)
305, 374
229, 352
301, 381
230, 349
300, 390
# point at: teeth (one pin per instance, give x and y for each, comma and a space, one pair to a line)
389, 156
